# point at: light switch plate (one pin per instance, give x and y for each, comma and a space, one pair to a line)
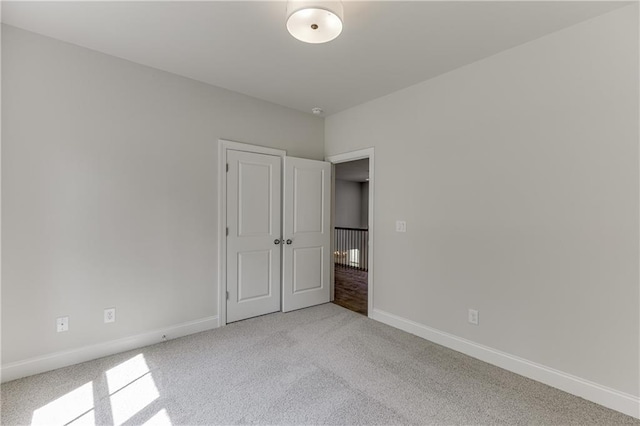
401, 226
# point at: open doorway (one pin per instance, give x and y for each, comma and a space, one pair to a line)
352, 233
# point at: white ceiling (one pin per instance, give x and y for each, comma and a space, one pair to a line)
244, 46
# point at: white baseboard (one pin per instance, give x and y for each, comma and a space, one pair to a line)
40, 364
610, 398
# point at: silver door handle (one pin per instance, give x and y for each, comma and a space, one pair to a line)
289, 241
276, 241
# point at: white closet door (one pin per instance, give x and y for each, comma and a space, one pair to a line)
306, 253
254, 231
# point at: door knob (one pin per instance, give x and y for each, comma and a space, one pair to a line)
289, 241
276, 241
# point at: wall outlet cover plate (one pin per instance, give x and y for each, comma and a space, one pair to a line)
110, 315
62, 324
473, 317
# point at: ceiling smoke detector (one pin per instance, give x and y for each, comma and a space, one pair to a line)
314, 21
317, 111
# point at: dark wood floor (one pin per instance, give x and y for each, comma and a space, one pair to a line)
351, 289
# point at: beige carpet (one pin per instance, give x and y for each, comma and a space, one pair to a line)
322, 365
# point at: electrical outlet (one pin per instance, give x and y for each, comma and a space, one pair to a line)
473, 317
62, 324
401, 226
110, 315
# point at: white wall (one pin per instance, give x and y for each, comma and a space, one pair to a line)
347, 204
364, 205
351, 204
109, 191
518, 178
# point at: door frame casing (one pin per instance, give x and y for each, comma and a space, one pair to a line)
223, 146
344, 158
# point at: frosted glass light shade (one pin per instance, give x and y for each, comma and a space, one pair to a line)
314, 21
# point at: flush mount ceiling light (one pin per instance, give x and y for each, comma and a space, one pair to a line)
314, 21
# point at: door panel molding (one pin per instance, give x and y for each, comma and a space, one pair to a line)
303, 223
223, 146
318, 271
343, 158
253, 294
252, 204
